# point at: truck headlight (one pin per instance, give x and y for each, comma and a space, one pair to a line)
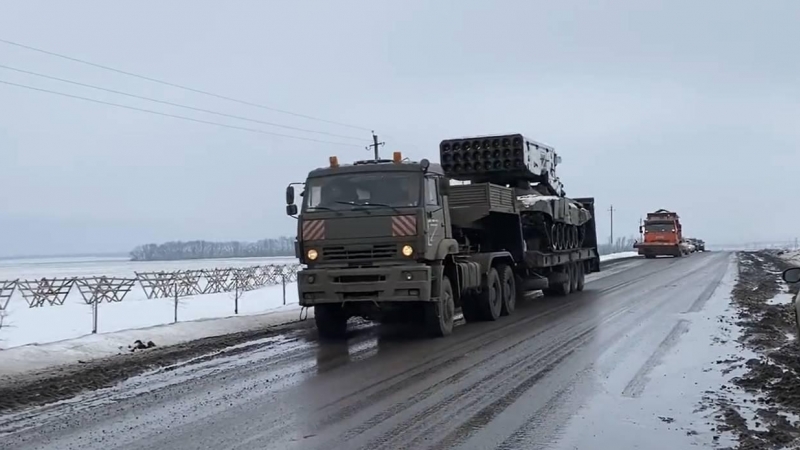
312, 254
408, 250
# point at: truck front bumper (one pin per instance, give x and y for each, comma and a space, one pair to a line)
658, 249
364, 284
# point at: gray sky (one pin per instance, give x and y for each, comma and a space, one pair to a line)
687, 105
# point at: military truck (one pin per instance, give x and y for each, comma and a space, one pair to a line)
398, 240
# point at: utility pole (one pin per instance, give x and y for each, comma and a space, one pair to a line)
611, 210
375, 146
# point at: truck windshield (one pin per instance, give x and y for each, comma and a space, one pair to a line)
349, 191
659, 227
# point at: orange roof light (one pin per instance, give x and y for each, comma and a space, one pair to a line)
397, 157
334, 161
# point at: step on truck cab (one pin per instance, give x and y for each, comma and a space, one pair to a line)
399, 241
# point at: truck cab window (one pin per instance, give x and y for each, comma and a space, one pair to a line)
349, 191
431, 192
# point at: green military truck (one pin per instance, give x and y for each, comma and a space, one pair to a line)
397, 240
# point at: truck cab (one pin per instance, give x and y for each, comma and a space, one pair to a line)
368, 234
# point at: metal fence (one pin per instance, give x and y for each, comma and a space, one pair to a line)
173, 285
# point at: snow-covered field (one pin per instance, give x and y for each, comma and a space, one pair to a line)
24, 325
34, 338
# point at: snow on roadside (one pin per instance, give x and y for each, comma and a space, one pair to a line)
26, 358
620, 255
792, 257
24, 325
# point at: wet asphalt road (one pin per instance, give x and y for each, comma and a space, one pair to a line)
511, 384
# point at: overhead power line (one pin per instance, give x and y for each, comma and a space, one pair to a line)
176, 116
186, 88
164, 102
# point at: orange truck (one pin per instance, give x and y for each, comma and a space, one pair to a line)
662, 235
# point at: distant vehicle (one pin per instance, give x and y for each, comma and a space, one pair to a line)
663, 235
701, 245
791, 276
698, 244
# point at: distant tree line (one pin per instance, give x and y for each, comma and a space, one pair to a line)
172, 251
283, 246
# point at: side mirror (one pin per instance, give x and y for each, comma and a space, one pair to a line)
291, 210
641, 230
290, 195
791, 275
444, 186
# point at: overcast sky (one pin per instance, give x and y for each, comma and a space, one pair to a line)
687, 105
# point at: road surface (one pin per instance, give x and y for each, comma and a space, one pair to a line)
511, 384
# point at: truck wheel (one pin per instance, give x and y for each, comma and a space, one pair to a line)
490, 300
439, 314
331, 321
564, 288
650, 256
469, 308
573, 277
581, 276
509, 287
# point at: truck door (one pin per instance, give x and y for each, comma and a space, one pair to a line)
434, 215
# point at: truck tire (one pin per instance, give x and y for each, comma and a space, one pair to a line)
581, 277
490, 301
573, 277
439, 314
562, 289
509, 287
331, 321
650, 256
469, 308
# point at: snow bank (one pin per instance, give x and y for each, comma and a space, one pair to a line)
621, 255
35, 357
24, 325
793, 256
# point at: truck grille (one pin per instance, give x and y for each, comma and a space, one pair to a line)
346, 253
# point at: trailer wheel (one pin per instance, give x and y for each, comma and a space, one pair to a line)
331, 321
439, 314
509, 287
490, 300
564, 288
573, 277
581, 276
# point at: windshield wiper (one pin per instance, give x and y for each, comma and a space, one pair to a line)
341, 202
383, 205
338, 213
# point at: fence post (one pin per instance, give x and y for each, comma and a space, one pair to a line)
95, 310
283, 283
236, 298
175, 287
